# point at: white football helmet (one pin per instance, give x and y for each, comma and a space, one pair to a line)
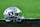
11, 13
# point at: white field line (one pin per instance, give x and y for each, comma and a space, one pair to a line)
25, 18
2, 19
32, 18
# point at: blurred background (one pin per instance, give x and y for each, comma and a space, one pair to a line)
30, 8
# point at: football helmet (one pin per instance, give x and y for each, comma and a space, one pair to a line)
11, 13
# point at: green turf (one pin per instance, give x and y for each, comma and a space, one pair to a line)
30, 8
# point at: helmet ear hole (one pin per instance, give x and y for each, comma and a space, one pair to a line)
10, 13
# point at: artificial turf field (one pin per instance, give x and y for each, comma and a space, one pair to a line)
30, 8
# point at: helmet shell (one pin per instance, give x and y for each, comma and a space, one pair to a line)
11, 9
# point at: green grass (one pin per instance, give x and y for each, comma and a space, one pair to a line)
30, 8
